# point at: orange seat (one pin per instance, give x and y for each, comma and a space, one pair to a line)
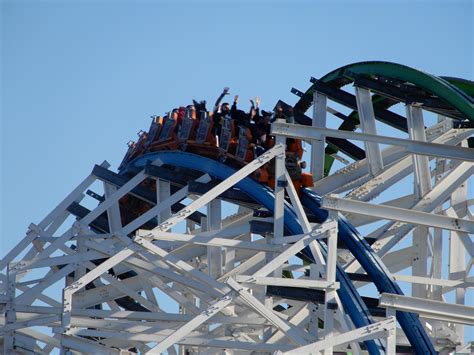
307, 179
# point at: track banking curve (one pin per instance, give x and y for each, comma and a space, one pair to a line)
393, 83
353, 303
375, 268
450, 90
74, 282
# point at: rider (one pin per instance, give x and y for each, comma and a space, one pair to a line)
219, 112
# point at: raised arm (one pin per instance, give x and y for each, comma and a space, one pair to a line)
233, 109
219, 99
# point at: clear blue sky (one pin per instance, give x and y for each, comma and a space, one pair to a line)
80, 78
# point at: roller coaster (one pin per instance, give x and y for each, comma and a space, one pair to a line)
208, 241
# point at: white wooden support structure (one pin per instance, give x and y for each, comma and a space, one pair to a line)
10, 313
367, 122
296, 336
193, 324
333, 202
383, 329
318, 146
424, 212
429, 308
422, 186
280, 183
414, 147
437, 259
116, 281
162, 193
330, 304
457, 250
214, 253
416, 129
350, 177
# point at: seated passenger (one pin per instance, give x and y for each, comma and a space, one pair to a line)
239, 117
219, 99
181, 111
219, 112
269, 117
200, 106
265, 122
279, 114
294, 145
290, 118
218, 117
245, 140
226, 140
233, 109
255, 110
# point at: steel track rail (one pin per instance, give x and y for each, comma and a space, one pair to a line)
354, 304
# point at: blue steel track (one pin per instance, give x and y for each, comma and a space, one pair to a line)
350, 298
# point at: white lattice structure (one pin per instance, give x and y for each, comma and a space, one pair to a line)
186, 276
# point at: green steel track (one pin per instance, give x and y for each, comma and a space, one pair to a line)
391, 84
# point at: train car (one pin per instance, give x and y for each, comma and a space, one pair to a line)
233, 144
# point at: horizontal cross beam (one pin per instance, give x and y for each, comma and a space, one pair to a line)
397, 214
429, 308
410, 146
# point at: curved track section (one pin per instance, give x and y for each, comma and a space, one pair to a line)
352, 301
92, 254
392, 83
377, 271
442, 88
